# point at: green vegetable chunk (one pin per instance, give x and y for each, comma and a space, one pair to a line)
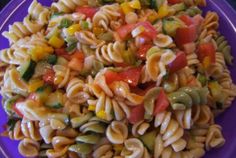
148, 140
27, 69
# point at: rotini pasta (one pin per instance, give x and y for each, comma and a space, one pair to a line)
116, 79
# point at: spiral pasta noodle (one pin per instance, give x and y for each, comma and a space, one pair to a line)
116, 79
171, 131
67, 6
110, 53
106, 14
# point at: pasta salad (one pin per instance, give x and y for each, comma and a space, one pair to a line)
116, 79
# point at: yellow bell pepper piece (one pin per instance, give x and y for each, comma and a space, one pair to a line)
152, 17
73, 28
98, 30
34, 85
126, 7
91, 107
135, 4
37, 53
206, 62
102, 114
163, 11
56, 42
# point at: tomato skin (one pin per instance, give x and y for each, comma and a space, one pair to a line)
185, 35
186, 19
111, 76
88, 11
198, 19
179, 62
131, 76
62, 52
137, 114
206, 50
150, 31
174, 1
141, 54
49, 76
125, 30
162, 103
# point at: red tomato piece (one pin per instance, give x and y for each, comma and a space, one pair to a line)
206, 50
150, 31
131, 76
62, 52
141, 54
142, 39
111, 76
198, 19
78, 55
137, 114
88, 11
179, 62
186, 19
125, 30
185, 35
49, 76
162, 103
174, 1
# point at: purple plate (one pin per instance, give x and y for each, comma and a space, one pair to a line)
17, 9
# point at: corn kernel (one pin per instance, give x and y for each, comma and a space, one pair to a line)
126, 7
34, 85
91, 107
101, 114
135, 4
73, 28
56, 42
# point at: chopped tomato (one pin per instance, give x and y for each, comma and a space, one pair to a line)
174, 1
131, 76
185, 35
179, 62
150, 31
206, 54
111, 76
198, 19
88, 11
62, 52
78, 55
162, 103
142, 39
137, 114
49, 76
186, 19
125, 30
143, 50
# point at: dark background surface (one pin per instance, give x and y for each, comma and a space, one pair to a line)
4, 2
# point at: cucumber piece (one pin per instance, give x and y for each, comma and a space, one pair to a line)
8, 104
179, 7
55, 100
170, 25
52, 59
27, 70
156, 4
81, 148
148, 140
